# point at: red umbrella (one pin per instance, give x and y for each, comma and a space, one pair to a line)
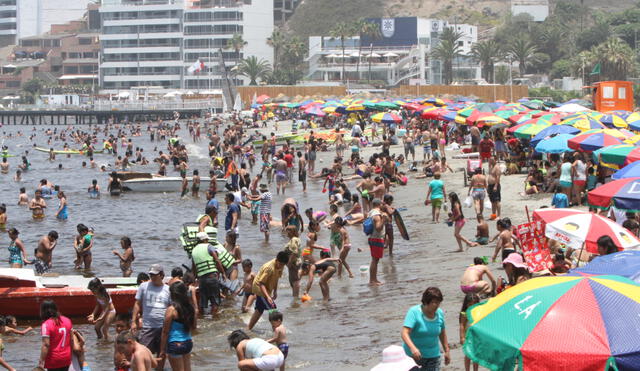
433, 114
413, 106
261, 99
589, 142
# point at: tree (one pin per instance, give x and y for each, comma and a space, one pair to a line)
341, 31
33, 88
521, 49
365, 29
237, 43
254, 69
616, 58
487, 53
277, 41
446, 51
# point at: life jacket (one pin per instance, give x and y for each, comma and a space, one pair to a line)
225, 257
202, 216
203, 260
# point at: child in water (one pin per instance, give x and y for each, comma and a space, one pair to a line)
83, 244
3, 217
104, 313
279, 334
126, 257
123, 323
11, 324
248, 296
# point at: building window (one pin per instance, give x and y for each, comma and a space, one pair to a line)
13, 84
84, 41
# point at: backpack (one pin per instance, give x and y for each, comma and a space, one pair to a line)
367, 226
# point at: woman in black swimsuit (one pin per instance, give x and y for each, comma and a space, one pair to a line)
325, 267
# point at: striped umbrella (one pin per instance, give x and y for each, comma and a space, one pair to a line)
490, 120
531, 128
386, 118
624, 194
555, 144
315, 110
583, 122
613, 121
590, 142
634, 121
580, 322
619, 155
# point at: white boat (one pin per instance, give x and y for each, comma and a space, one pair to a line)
163, 183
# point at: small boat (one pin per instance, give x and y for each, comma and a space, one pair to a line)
67, 152
22, 292
158, 183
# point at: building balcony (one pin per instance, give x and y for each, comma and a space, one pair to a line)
136, 36
146, 63
156, 77
9, 32
140, 22
8, 20
142, 50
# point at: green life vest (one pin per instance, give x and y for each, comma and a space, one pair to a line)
203, 260
225, 257
202, 216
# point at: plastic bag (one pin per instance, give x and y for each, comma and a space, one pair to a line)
468, 202
487, 203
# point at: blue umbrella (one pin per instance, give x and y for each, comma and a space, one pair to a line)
630, 171
623, 263
551, 130
450, 116
556, 144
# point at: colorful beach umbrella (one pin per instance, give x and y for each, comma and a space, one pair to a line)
634, 121
553, 130
583, 122
490, 120
315, 110
619, 155
613, 121
624, 194
585, 228
386, 118
589, 142
558, 323
555, 144
622, 263
630, 171
531, 128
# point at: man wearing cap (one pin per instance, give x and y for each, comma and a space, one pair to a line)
265, 286
152, 298
207, 268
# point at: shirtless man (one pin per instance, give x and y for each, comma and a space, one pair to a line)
37, 205
493, 188
379, 188
365, 188
139, 356
281, 174
302, 171
44, 251
477, 190
472, 282
505, 242
4, 166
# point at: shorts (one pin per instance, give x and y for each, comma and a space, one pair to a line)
436, 202
265, 221
312, 155
565, 184
506, 253
482, 240
494, 192
284, 348
429, 364
478, 194
460, 222
409, 148
281, 176
59, 368
255, 207
262, 304
209, 291
302, 176
269, 361
580, 183
176, 349
475, 140
376, 247
150, 338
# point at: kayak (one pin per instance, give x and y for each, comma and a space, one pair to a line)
67, 152
282, 138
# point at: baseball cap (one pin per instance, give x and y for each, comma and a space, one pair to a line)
202, 236
156, 269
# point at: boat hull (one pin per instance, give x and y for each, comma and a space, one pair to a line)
162, 184
24, 302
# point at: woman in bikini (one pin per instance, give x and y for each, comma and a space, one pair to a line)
472, 282
342, 243
104, 313
126, 257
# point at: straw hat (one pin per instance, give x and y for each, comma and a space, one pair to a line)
394, 359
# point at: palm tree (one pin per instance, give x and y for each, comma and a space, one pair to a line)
446, 51
236, 42
521, 50
342, 31
364, 28
486, 53
254, 69
616, 57
277, 41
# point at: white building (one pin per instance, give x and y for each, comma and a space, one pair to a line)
537, 9
400, 55
153, 42
24, 18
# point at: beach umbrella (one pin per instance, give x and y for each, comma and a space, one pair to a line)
583, 122
330, 109
619, 155
531, 128
553, 130
413, 106
490, 120
555, 144
386, 118
449, 116
434, 101
612, 121
558, 323
624, 194
356, 107
589, 142
570, 108
262, 98
585, 228
622, 263
386, 105
550, 215
315, 110
629, 171
634, 121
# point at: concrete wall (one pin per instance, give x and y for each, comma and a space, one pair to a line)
486, 93
35, 17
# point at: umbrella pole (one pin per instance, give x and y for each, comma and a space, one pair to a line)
526, 209
580, 255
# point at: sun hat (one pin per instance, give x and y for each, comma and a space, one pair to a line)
156, 269
394, 359
515, 259
202, 236
264, 187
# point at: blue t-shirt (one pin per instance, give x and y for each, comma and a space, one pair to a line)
560, 201
233, 208
424, 332
213, 202
436, 186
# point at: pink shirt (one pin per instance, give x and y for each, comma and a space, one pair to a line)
59, 335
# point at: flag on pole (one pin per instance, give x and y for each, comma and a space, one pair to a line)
596, 69
196, 67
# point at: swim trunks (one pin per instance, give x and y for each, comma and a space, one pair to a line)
376, 247
284, 348
265, 220
494, 192
482, 240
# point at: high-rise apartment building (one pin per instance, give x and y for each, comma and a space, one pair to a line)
25, 18
152, 43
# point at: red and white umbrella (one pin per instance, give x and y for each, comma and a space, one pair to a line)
581, 227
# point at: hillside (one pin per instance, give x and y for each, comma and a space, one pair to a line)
317, 17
